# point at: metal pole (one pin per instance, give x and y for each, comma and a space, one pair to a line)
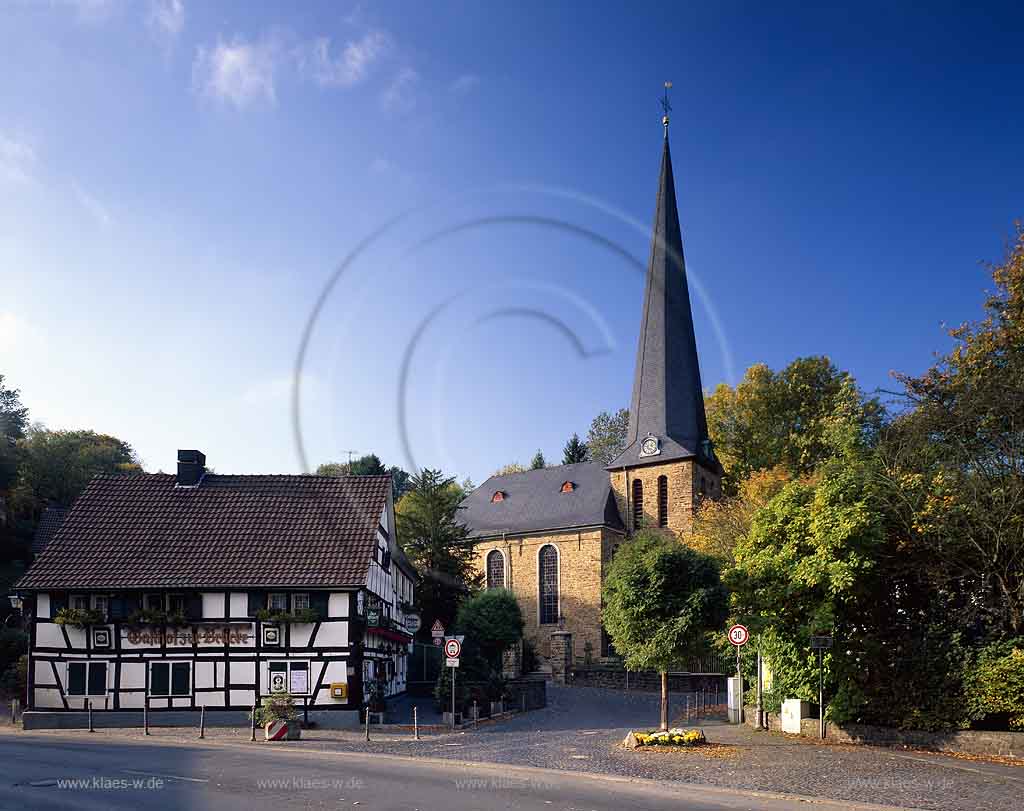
367, 711
14, 711
453, 697
760, 683
415, 724
88, 705
202, 722
739, 687
476, 713
821, 696
145, 719
252, 731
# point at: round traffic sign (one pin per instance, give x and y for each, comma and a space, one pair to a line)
739, 635
452, 648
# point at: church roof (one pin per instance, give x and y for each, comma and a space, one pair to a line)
537, 500
668, 399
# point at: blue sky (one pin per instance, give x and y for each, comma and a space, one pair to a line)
180, 180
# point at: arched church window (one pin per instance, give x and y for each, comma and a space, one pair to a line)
638, 504
547, 565
662, 501
495, 569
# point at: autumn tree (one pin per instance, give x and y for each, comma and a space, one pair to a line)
786, 419
511, 467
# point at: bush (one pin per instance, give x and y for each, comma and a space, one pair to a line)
302, 615
275, 707
79, 617
13, 644
492, 623
995, 684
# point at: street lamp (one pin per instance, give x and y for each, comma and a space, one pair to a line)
16, 601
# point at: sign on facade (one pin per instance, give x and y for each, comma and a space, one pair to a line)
413, 623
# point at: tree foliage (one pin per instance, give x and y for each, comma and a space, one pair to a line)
538, 462
606, 438
369, 465
660, 600
438, 545
511, 467
794, 419
575, 451
13, 421
492, 623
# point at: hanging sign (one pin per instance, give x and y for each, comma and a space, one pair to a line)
413, 623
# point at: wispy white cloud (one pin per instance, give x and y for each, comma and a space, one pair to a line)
166, 17
238, 72
400, 95
91, 204
350, 66
466, 83
17, 160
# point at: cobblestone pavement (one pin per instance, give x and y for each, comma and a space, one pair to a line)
581, 730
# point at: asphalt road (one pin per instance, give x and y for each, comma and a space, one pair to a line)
104, 774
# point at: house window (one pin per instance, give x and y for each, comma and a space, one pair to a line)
495, 569
498, 496
568, 487
300, 602
154, 602
87, 678
175, 603
79, 602
288, 677
547, 561
277, 601
170, 679
100, 603
662, 501
638, 504
703, 486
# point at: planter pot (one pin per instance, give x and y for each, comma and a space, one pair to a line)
282, 730
497, 707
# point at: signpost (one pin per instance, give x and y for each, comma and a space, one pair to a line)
452, 650
739, 636
821, 644
437, 632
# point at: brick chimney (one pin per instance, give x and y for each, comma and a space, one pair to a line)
191, 468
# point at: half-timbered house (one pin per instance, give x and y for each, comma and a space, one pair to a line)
175, 592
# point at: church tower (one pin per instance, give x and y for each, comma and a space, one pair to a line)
668, 464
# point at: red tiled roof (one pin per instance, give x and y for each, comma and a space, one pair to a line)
141, 531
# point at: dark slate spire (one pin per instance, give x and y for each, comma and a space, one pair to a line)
668, 400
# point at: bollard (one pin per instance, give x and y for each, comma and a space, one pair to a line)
145, 720
367, 723
523, 697
476, 713
252, 731
14, 711
415, 725
88, 705
202, 722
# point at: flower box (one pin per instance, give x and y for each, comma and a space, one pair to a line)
676, 737
282, 730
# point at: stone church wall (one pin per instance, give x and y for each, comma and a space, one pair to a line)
582, 557
683, 478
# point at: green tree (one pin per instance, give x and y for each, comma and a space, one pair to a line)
511, 467
575, 451
56, 466
438, 545
13, 421
369, 465
492, 623
661, 599
606, 438
793, 419
538, 463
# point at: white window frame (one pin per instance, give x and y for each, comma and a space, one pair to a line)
170, 605
504, 568
558, 561
283, 603
89, 665
288, 663
100, 603
161, 599
296, 598
82, 601
170, 679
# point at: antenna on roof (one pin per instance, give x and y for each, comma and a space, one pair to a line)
350, 457
666, 107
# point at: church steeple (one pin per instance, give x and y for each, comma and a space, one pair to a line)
666, 415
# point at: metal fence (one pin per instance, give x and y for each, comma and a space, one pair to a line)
424, 668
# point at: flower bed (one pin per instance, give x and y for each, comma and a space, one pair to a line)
677, 737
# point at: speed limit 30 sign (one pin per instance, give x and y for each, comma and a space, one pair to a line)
739, 635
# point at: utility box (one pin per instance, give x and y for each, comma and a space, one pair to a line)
734, 685
793, 710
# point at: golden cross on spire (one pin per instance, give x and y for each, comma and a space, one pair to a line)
666, 107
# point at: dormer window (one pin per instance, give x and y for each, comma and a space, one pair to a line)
568, 487
499, 495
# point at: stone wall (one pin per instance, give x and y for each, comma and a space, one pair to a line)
968, 741
531, 689
582, 556
683, 479
615, 677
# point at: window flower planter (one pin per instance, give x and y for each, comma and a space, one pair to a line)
79, 617
302, 615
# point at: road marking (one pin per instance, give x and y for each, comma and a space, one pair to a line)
167, 776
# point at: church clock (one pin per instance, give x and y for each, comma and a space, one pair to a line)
650, 446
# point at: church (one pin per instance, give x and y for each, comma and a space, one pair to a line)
548, 535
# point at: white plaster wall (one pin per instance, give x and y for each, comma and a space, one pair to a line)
48, 635
43, 606
213, 605
239, 604
133, 674
337, 604
332, 634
